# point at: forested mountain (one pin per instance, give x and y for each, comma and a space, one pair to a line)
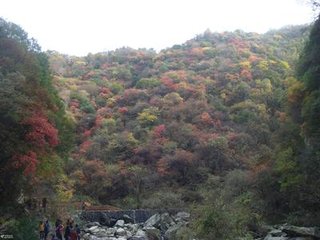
201, 122
35, 134
225, 125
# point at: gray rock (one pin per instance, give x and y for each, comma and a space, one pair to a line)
105, 220
165, 222
121, 238
127, 219
277, 233
101, 233
112, 222
93, 229
129, 234
182, 216
86, 236
102, 238
269, 237
137, 238
171, 233
153, 221
152, 233
93, 238
295, 231
121, 232
133, 228
120, 223
91, 224
111, 232
140, 233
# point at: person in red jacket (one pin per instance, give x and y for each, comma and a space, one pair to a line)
73, 233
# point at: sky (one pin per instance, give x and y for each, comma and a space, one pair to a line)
79, 27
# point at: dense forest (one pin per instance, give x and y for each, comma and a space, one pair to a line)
35, 133
225, 125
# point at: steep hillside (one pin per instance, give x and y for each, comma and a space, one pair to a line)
156, 129
291, 187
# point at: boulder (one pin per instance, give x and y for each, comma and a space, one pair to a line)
137, 238
101, 233
133, 228
86, 236
111, 232
121, 232
105, 220
127, 219
102, 238
269, 237
277, 233
119, 223
112, 222
141, 234
93, 229
294, 231
182, 216
153, 221
165, 222
92, 237
129, 234
152, 233
91, 224
171, 233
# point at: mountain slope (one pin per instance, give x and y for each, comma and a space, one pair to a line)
168, 122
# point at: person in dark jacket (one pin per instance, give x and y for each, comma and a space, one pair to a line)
67, 230
78, 231
59, 230
46, 229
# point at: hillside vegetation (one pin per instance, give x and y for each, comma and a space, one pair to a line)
225, 125
35, 134
199, 122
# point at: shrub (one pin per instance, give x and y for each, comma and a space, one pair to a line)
221, 221
23, 228
163, 199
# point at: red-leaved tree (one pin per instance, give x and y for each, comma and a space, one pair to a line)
40, 131
28, 162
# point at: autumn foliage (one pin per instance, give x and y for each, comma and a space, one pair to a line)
28, 162
41, 132
34, 130
221, 119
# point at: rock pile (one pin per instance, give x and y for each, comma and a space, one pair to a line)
157, 227
289, 232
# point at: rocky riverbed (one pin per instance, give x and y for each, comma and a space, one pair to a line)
165, 226
157, 227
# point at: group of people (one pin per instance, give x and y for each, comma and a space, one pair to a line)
68, 232
44, 229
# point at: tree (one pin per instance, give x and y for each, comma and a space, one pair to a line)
309, 73
41, 131
146, 83
31, 117
96, 178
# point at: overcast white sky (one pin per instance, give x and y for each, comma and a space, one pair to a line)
78, 27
